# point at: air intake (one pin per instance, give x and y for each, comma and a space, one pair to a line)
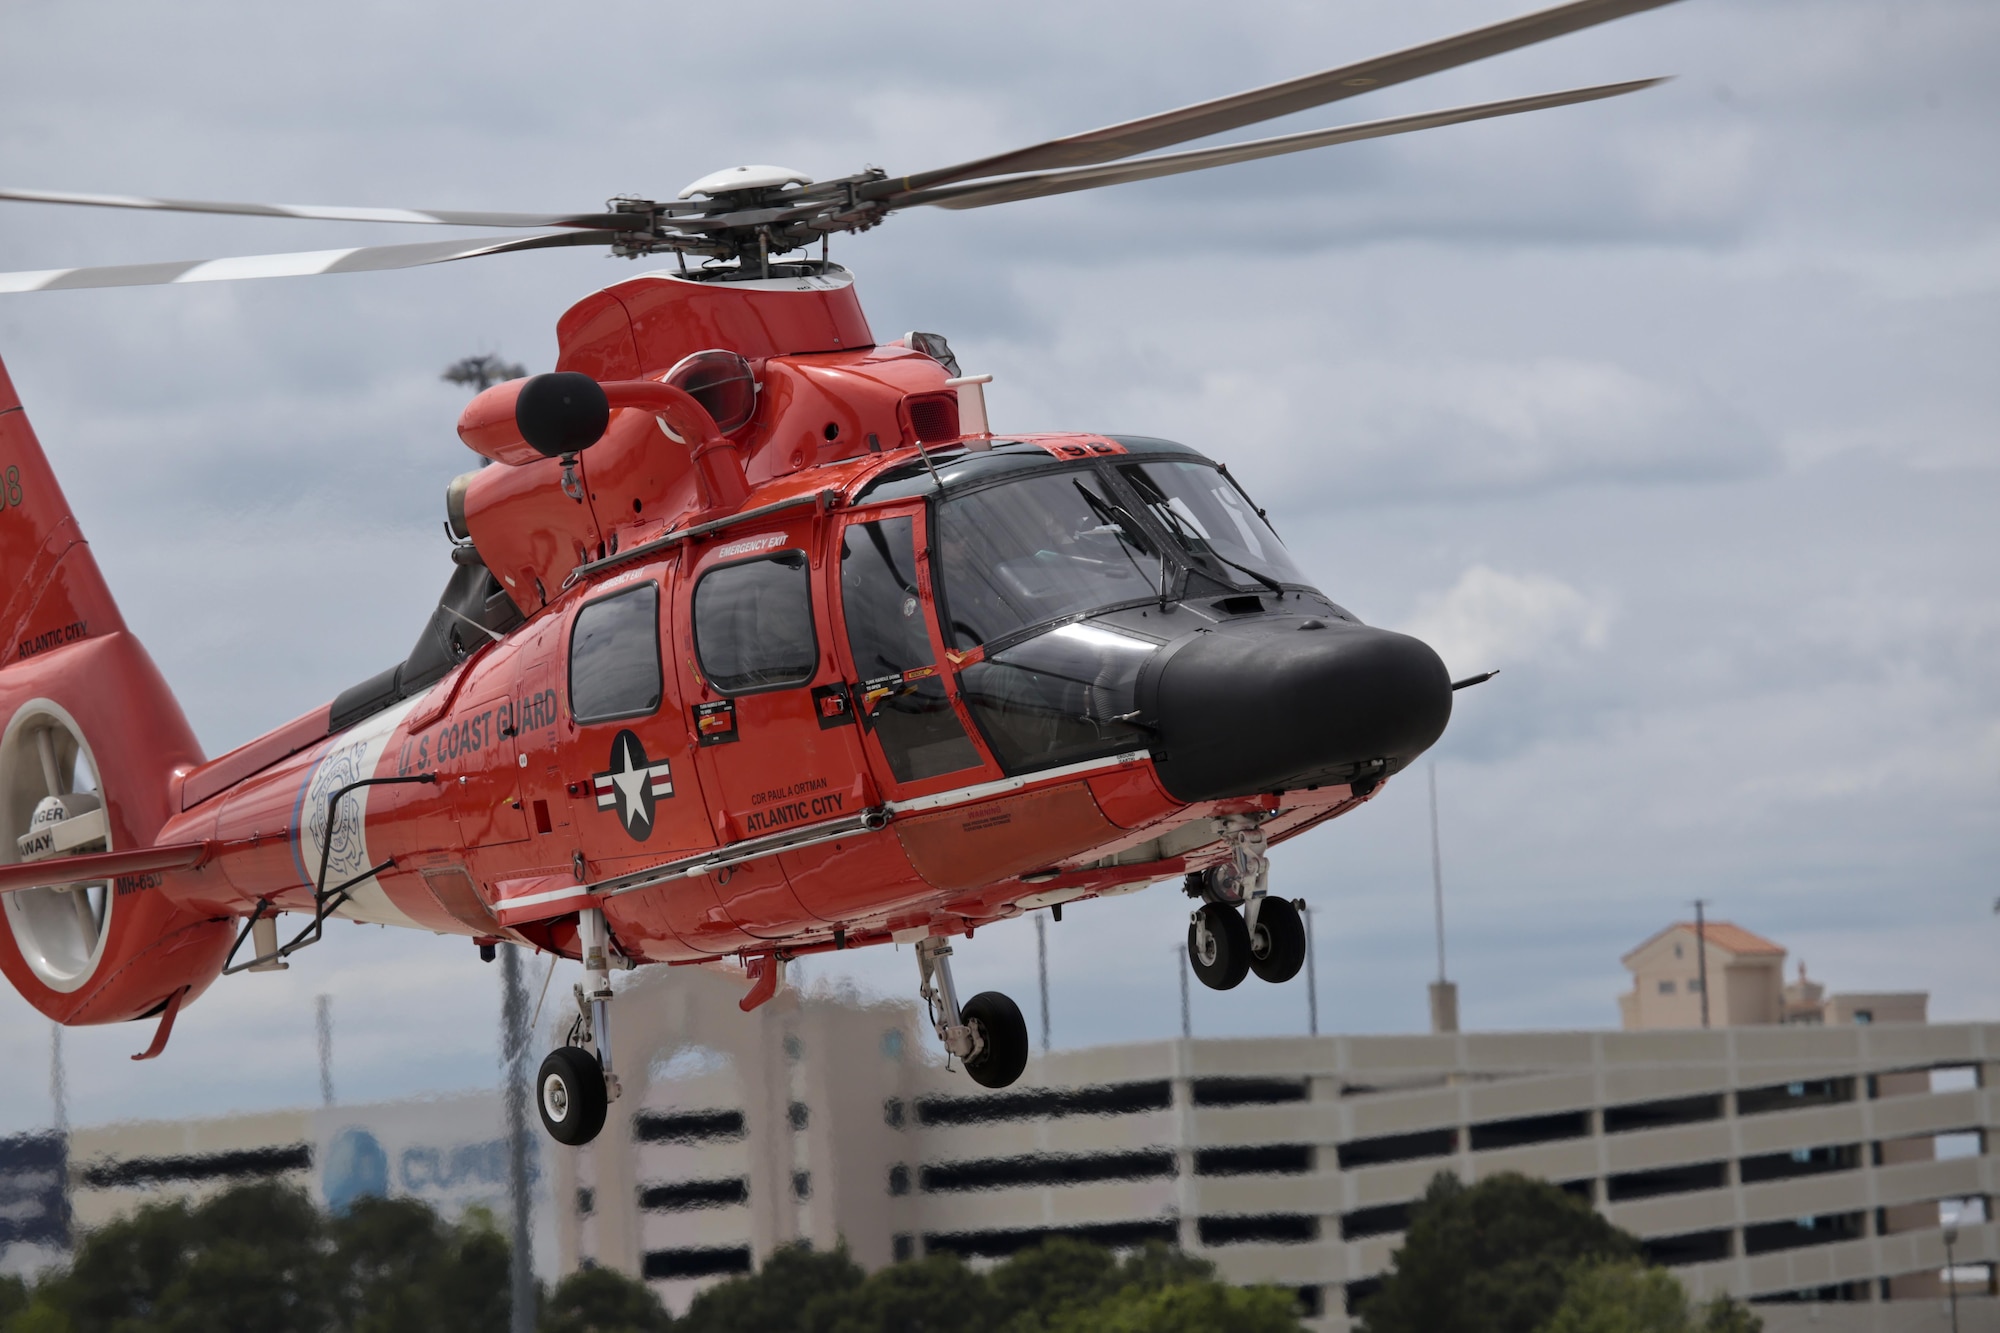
933, 416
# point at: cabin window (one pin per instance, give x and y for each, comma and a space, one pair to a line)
903, 699
614, 656
753, 626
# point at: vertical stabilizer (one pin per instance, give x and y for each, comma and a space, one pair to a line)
90, 739
53, 590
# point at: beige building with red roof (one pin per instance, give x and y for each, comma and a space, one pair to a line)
1744, 976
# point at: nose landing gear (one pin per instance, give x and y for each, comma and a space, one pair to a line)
988, 1034
1278, 944
1266, 936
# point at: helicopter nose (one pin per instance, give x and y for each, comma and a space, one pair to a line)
1276, 705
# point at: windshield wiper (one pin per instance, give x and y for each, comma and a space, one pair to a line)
1129, 531
1200, 545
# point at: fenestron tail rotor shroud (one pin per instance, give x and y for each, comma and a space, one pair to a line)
775, 211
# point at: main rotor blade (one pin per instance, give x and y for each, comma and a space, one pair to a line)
978, 194
331, 212
304, 263
1278, 99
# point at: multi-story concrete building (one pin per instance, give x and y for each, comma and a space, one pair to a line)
1800, 1167
1807, 1168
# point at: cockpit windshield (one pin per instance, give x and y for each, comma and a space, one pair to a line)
1213, 520
1034, 550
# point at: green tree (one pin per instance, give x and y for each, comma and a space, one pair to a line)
935, 1294
1037, 1284
1156, 1265
1185, 1307
784, 1296
1726, 1314
1492, 1258
601, 1300
401, 1267
245, 1261
1069, 1286
13, 1297
1622, 1298
260, 1258
1631, 1298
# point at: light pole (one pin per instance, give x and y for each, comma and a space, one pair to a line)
1042, 972
481, 372
323, 1030
1187, 1015
1951, 1286
514, 1035
1312, 977
1701, 954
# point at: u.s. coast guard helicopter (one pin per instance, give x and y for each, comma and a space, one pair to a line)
758, 642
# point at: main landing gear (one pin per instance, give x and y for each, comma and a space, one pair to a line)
575, 1088
988, 1034
1266, 936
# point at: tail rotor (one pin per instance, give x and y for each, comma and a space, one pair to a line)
51, 805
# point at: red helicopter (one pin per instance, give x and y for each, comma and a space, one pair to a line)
758, 643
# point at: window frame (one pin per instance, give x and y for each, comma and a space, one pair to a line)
777, 555
922, 513
659, 654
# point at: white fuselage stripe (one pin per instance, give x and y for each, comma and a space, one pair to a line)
980, 791
537, 899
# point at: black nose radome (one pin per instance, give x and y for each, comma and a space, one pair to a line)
1275, 705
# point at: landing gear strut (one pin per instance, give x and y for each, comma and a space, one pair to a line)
1266, 936
988, 1035
574, 1087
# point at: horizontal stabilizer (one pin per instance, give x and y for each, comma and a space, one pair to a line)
99, 866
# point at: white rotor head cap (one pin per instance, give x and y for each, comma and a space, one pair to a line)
745, 178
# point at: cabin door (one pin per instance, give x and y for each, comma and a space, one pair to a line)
772, 714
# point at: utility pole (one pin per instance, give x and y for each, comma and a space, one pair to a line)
1444, 995
1701, 955
1312, 979
323, 1022
514, 1098
1042, 962
1187, 1015
58, 1089
1951, 1268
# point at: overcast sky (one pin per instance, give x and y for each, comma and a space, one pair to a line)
1679, 408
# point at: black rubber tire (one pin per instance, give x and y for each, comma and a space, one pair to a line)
570, 1094
1004, 1034
1278, 945
1230, 962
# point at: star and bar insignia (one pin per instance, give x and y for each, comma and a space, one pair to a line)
633, 784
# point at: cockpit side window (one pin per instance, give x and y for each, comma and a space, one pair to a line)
903, 699
1035, 550
614, 656
753, 624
